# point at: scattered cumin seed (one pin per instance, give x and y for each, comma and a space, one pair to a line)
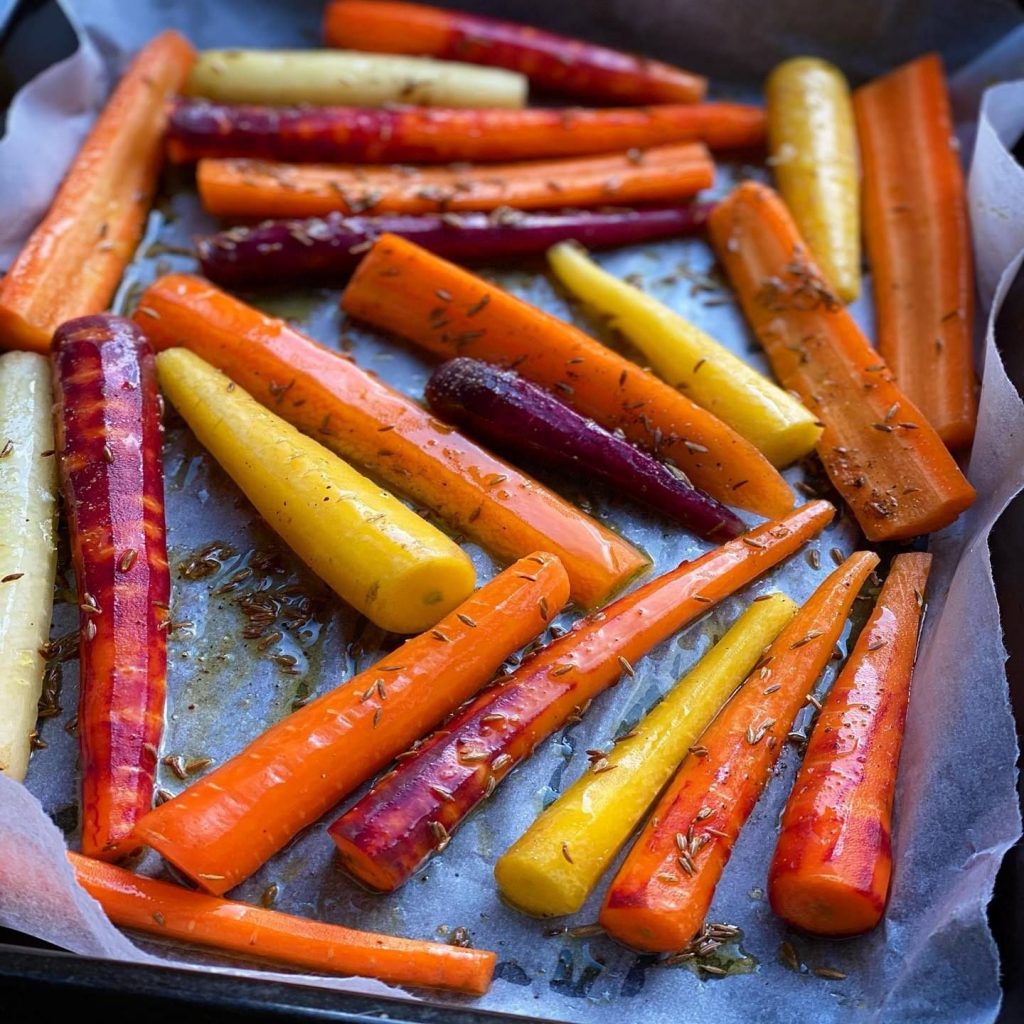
829, 972
626, 666
566, 854
466, 620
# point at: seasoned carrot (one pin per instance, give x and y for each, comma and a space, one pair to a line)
663, 890
223, 827
254, 188
919, 243
354, 414
199, 128
73, 261
449, 311
170, 912
109, 438
410, 814
878, 449
832, 865
550, 61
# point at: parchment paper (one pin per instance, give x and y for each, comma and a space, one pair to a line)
933, 959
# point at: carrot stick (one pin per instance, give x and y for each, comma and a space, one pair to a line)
109, 437
360, 418
254, 188
551, 61
199, 128
663, 890
879, 451
223, 827
919, 243
170, 912
833, 861
411, 813
73, 261
449, 311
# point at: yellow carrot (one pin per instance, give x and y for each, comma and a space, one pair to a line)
595, 816
813, 144
394, 567
685, 357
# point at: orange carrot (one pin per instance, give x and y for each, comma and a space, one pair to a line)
354, 414
73, 261
409, 814
170, 912
663, 890
832, 865
223, 827
880, 452
919, 243
255, 188
449, 311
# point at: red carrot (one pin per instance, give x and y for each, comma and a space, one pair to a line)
411, 813
109, 438
832, 865
550, 61
663, 890
425, 135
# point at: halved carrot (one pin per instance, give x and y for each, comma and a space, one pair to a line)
663, 890
880, 452
255, 188
449, 311
360, 418
919, 243
551, 61
410, 814
223, 827
73, 261
833, 861
170, 912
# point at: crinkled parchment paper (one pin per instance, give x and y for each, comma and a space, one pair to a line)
933, 959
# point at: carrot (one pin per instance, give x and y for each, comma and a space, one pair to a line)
223, 827
361, 419
879, 451
833, 861
919, 243
411, 813
73, 261
551, 61
663, 890
254, 188
109, 438
199, 128
449, 311
170, 912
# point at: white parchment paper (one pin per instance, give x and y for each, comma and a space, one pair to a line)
933, 959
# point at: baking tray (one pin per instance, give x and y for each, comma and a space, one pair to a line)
43, 979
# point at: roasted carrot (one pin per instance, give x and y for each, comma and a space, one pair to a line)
550, 61
223, 827
663, 890
919, 243
254, 188
171, 912
354, 414
199, 128
411, 813
449, 311
833, 861
878, 449
73, 261
109, 438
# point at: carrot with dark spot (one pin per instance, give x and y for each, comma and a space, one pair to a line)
109, 438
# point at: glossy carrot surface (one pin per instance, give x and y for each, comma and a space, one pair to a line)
109, 437
225, 825
448, 311
353, 413
833, 861
663, 890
